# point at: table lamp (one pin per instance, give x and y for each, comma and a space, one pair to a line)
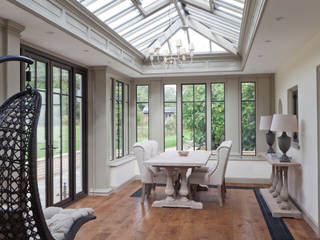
265, 124
284, 123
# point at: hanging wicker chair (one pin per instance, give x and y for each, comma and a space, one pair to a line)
21, 215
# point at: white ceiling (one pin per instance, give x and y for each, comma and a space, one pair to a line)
300, 22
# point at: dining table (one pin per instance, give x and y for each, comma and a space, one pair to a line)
173, 162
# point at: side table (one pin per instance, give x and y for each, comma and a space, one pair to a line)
277, 196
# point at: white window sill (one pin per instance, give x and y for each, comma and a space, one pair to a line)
120, 161
240, 158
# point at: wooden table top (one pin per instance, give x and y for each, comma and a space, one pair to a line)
276, 161
173, 159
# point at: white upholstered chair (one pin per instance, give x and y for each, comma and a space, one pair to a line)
214, 172
150, 176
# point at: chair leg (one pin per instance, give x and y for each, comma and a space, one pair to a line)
154, 186
143, 192
149, 187
220, 193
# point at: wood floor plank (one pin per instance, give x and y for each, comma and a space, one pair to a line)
121, 217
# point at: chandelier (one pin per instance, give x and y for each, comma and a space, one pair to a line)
166, 57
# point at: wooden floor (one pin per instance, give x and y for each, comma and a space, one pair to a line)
120, 216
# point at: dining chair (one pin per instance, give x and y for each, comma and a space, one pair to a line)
213, 173
150, 176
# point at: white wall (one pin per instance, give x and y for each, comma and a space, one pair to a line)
9, 45
300, 70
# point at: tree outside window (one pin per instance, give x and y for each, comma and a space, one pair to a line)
142, 113
248, 118
194, 124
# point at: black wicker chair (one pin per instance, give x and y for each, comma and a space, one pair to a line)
21, 215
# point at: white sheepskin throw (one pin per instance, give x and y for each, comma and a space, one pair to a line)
60, 220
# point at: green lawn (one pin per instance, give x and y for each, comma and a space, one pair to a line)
170, 141
65, 145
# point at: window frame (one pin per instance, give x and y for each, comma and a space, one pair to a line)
255, 117
115, 103
224, 109
205, 101
164, 117
136, 100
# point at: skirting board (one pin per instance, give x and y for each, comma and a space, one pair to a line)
100, 191
308, 219
248, 180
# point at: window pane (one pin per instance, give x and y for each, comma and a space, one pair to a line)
170, 122
170, 93
119, 128
200, 125
142, 93
187, 123
33, 74
79, 145
41, 151
217, 124
142, 121
248, 128
56, 79
248, 91
57, 178
194, 116
65, 147
65, 81
200, 92
187, 92
217, 91
41, 75
78, 85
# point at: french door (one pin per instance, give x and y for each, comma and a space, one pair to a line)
61, 132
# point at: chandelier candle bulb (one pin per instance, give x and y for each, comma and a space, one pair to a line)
191, 47
151, 51
179, 43
157, 45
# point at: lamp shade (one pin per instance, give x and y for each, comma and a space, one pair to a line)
284, 123
265, 122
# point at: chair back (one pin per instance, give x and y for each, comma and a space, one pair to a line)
144, 151
21, 215
223, 153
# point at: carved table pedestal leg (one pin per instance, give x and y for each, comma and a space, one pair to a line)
279, 185
284, 195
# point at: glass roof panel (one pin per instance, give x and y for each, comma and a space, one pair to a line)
142, 22
125, 18
114, 11
183, 37
147, 3
201, 44
94, 6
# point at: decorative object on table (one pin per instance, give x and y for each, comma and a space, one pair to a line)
183, 153
265, 124
284, 123
21, 213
